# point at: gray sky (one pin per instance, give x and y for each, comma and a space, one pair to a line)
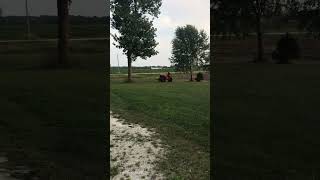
173, 13
48, 7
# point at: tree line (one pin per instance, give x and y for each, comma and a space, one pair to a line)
241, 17
45, 19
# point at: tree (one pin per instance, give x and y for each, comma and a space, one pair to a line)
190, 48
136, 34
260, 9
287, 49
63, 32
231, 17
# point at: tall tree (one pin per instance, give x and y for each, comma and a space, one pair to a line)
261, 9
63, 32
190, 48
133, 19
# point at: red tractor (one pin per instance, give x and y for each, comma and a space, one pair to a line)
164, 78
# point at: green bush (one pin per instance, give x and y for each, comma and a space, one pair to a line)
287, 49
199, 77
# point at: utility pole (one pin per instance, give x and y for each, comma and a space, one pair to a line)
27, 20
118, 64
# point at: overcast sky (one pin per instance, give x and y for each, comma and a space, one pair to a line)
173, 13
48, 7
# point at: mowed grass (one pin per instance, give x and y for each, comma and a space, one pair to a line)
53, 121
266, 119
178, 111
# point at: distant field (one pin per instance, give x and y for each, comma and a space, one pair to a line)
48, 31
139, 70
245, 50
124, 70
266, 119
53, 120
180, 113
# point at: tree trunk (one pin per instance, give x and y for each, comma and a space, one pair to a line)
129, 67
191, 79
63, 32
259, 41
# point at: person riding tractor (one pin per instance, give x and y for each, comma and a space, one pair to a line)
164, 78
169, 78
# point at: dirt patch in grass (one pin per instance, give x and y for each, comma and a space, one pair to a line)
134, 151
10, 172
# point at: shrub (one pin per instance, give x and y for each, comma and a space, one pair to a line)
199, 77
287, 49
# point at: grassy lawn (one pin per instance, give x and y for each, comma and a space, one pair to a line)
53, 121
30, 55
266, 121
179, 112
